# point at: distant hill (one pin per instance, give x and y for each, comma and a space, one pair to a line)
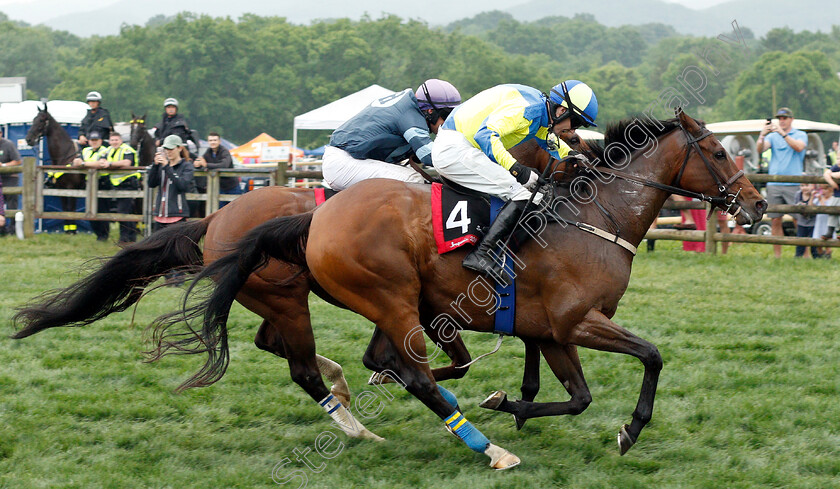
758, 15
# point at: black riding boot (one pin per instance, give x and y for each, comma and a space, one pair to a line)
480, 259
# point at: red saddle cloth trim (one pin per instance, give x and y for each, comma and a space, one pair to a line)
444, 246
320, 196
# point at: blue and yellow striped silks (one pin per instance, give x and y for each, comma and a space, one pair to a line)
501, 117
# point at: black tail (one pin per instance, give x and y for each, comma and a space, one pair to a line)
117, 284
283, 238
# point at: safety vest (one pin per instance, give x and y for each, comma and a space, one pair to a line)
88, 154
832, 157
118, 154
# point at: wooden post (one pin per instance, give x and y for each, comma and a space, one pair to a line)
91, 186
213, 191
29, 182
281, 178
711, 228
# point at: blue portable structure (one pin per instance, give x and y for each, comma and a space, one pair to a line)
16, 119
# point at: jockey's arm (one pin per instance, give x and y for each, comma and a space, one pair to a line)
489, 136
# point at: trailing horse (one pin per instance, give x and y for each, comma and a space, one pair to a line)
371, 248
62, 151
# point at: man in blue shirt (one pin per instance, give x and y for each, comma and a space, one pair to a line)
788, 145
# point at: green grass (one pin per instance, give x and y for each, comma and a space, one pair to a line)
748, 397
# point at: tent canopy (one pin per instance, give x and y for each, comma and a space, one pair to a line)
64, 111
337, 113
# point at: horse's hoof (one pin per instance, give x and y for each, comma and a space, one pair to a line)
520, 422
366, 434
494, 400
501, 459
379, 379
625, 442
342, 395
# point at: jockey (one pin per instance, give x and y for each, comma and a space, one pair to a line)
472, 149
373, 142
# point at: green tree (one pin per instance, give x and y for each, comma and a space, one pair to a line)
803, 81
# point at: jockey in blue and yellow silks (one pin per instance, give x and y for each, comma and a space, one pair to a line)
472, 148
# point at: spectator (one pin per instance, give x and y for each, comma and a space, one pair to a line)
217, 156
823, 192
121, 155
97, 119
94, 156
830, 175
9, 156
831, 156
172, 123
174, 175
2, 212
788, 145
805, 222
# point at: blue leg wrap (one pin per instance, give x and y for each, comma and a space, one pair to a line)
450, 397
467, 432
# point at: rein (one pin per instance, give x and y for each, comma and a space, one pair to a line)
725, 200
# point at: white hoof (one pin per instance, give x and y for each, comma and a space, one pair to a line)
366, 434
379, 379
494, 400
501, 459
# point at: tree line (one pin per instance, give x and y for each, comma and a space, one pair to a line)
242, 77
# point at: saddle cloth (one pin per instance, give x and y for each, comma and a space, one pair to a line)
458, 219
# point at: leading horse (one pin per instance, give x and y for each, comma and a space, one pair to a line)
371, 248
62, 151
278, 293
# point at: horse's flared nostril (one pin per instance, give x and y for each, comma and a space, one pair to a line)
761, 207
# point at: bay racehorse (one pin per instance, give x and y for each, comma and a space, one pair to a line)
278, 292
141, 140
371, 248
62, 151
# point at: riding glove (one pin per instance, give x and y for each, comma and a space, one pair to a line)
524, 175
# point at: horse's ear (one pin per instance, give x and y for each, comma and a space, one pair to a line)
132, 115
688, 123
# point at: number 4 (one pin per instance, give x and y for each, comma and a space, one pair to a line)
458, 217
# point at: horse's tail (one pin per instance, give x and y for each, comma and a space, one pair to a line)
283, 238
117, 284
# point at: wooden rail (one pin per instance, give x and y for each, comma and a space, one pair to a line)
33, 191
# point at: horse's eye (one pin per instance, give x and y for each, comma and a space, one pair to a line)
721, 155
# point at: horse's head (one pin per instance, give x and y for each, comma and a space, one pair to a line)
708, 169
138, 127
39, 127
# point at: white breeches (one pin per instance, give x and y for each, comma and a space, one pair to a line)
342, 170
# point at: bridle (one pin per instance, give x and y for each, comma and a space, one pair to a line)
725, 200
141, 126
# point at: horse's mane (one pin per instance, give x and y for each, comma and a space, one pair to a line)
616, 133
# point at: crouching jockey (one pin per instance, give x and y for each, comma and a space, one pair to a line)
472, 149
389, 130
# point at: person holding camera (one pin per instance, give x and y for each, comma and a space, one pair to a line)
174, 175
788, 156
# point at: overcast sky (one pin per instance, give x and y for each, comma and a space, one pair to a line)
688, 3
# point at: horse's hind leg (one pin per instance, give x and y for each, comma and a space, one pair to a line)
530, 377
565, 364
598, 332
269, 339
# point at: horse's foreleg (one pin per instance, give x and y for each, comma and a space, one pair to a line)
565, 364
530, 377
599, 333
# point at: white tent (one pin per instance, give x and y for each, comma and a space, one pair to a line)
64, 111
337, 113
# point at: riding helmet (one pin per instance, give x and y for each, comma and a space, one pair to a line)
94, 96
580, 101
